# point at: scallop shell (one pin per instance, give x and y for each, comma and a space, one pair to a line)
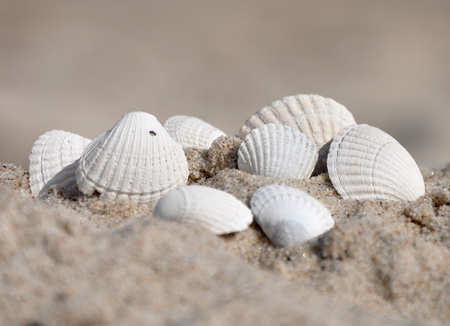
213, 209
50, 153
136, 159
277, 151
191, 131
317, 117
288, 215
367, 163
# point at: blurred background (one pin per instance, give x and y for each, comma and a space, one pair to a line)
80, 65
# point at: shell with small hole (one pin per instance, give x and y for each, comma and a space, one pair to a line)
288, 215
136, 159
317, 117
364, 162
211, 208
191, 131
277, 151
50, 153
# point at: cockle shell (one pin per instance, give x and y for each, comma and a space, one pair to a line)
367, 163
288, 215
317, 117
213, 209
50, 153
191, 131
136, 159
277, 151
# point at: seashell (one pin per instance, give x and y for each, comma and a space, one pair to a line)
50, 153
213, 209
277, 151
367, 163
191, 131
136, 159
317, 117
288, 215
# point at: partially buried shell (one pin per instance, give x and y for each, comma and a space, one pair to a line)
277, 151
288, 215
213, 209
50, 153
136, 159
367, 163
317, 117
191, 131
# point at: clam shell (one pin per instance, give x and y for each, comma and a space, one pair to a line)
213, 209
277, 151
191, 131
136, 159
367, 163
50, 153
317, 117
288, 215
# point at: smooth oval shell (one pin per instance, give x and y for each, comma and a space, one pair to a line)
317, 117
191, 131
136, 159
50, 153
288, 215
213, 209
277, 151
364, 162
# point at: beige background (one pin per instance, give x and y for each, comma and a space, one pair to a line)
80, 65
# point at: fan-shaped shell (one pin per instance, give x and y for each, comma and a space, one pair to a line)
367, 163
191, 131
213, 209
277, 151
317, 117
136, 159
50, 153
288, 215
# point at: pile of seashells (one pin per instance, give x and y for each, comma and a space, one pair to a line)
140, 160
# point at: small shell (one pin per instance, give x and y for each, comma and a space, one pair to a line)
367, 163
317, 117
191, 131
136, 159
277, 151
288, 215
213, 209
50, 153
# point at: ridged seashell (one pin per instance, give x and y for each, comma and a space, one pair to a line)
277, 151
288, 215
213, 209
50, 153
367, 163
317, 117
191, 131
136, 159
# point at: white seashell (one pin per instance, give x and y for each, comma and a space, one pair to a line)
367, 163
213, 209
66, 178
277, 151
191, 131
288, 215
50, 153
317, 117
136, 159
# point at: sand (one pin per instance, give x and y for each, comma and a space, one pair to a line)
68, 259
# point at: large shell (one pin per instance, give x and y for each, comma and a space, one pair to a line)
317, 117
136, 159
288, 215
277, 151
191, 131
213, 209
50, 153
367, 163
